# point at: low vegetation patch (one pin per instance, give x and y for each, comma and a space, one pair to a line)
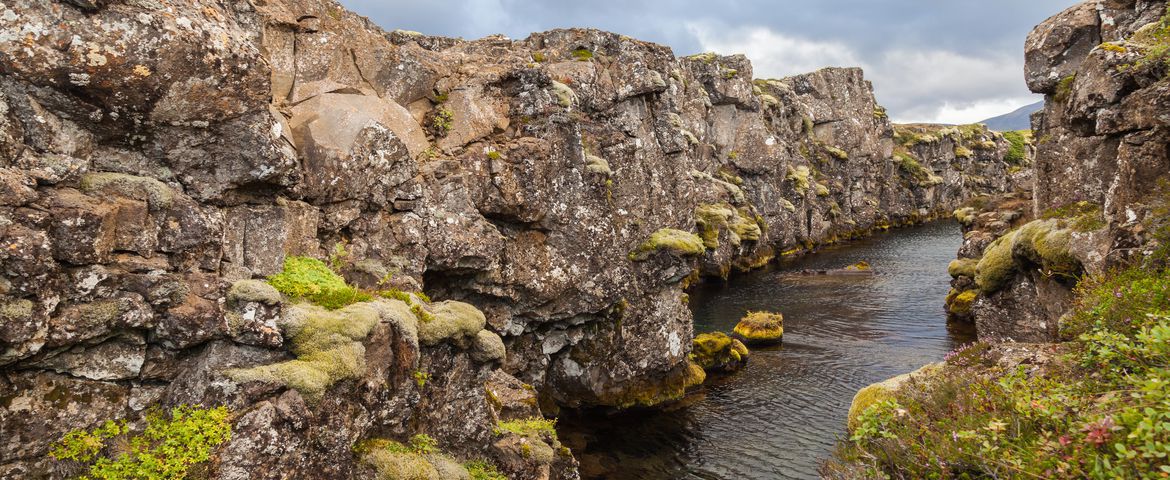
305, 278
670, 240
171, 445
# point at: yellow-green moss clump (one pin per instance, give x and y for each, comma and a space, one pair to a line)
451, 321
884, 390
712, 219
966, 216
862, 266
671, 240
327, 345
960, 302
310, 279
799, 176
421, 460
962, 267
718, 352
761, 328
1043, 243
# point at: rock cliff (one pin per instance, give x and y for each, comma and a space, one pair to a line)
1101, 167
557, 193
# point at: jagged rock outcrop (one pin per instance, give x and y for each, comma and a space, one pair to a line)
1101, 165
152, 157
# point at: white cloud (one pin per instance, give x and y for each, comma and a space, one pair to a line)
935, 86
774, 55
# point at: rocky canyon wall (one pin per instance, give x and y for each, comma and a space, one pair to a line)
1100, 172
557, 193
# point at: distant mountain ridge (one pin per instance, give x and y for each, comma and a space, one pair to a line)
1021, 119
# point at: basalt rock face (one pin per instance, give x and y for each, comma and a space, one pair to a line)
1101, 164
153, 157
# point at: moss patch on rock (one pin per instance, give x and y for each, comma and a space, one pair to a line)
327, 345
305, 278
761, 328
155, 193
456, 321
960, 302
421, 460
962, 267
718, 352
670, 240
884, 390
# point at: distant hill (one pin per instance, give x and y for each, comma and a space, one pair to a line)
1017, 120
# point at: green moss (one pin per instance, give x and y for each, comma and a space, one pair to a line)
760, 328
16, 310
534, 427
170, 446
538, 57
960, 302
881, 391
451, 321
582, 54
966, 216
1018, 141
837, 153
421, 378
310, 279
997, 267
730, 73
494, 155
395, 461
157, 194
799, 176
482, 470
707, 57
1080, 216
258, 291
879, 112
1064, 89
822, 190
717, 351
963, 152
919, 174
669, 240
327, 345
962, 267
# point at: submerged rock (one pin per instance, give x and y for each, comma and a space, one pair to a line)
761, 328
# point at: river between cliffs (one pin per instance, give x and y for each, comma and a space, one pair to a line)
779, 417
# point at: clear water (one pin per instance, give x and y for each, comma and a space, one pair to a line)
779, 417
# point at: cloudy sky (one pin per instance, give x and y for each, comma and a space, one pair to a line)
947, 61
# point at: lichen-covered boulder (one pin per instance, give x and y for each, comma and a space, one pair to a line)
761, 328
717, 352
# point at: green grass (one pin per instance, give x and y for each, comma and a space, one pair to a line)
1018, 141
528, 427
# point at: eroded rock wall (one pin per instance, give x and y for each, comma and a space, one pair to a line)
152, 156
1101, 165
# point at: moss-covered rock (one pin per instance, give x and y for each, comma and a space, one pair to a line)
761, 328
965, 216
327, 344
394, 461
718, 352
883, 390
670, 240
1040, 243
959, 302
455, 321
862, 266
962, 267
257, 291
712, 219
487, 347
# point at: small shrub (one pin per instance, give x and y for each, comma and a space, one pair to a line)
442, 121
1064, 89
1017, 154
582, 54
169, 447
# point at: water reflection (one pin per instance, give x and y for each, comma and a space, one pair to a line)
780, 416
